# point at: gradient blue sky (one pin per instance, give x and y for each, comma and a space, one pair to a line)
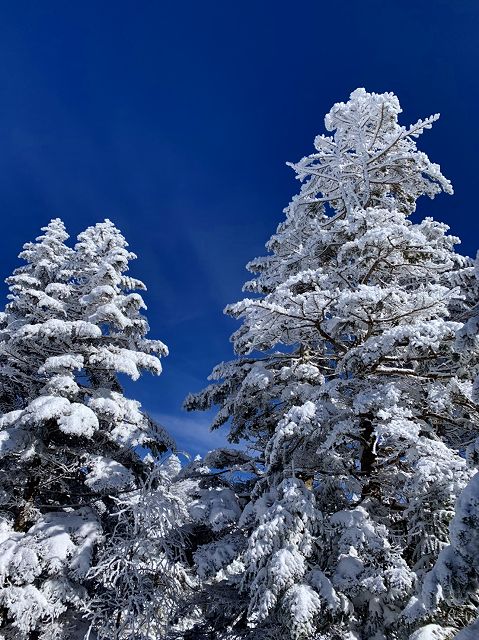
175, 120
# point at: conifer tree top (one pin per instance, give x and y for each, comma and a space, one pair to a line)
370, 159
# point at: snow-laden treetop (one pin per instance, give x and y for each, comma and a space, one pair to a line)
370, 159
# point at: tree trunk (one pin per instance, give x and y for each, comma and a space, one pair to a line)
368, 458
31, 488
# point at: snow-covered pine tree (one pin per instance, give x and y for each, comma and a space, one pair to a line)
451, 588
69, 439
108, 299
345, 356
140, 574
39, 291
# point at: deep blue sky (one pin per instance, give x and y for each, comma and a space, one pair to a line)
175, 120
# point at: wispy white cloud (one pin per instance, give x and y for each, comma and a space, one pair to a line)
192, 433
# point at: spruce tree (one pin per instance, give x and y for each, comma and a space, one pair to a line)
451, 588
39, 291
69, 438
346, 353
140, 573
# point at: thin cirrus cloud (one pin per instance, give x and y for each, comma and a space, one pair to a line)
192, 433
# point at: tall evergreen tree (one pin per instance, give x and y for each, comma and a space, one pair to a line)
39, 291
346, 353
69, 438
451, 588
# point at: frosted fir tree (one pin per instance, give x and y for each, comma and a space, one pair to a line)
39, 291
108, 300
451, 589
213, 494
345, 355
140, 582
69, 448
110, 297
